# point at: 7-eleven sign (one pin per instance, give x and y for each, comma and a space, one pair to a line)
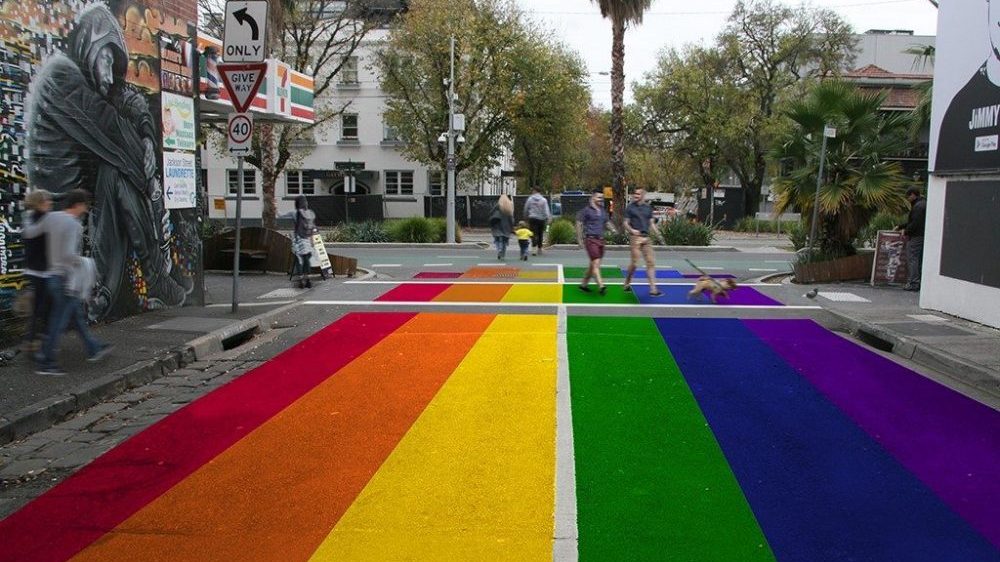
242, 80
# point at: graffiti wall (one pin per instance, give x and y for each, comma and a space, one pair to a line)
98, 96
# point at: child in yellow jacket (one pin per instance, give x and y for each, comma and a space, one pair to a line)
523, 239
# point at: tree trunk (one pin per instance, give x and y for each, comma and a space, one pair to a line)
617, 125
269, 176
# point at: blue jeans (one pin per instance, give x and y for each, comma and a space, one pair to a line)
66, 311
501, 244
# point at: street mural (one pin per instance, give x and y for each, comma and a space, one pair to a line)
80, 107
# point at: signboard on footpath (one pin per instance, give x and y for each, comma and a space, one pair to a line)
890, 265
180, 190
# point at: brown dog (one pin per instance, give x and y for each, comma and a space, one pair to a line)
715, 287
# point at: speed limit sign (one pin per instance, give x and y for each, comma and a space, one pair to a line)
239, 131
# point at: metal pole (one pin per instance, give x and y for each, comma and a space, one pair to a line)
711, 205
236, 244
347, 190
819, 182
450, 202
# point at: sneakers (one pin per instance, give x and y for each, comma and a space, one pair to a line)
101, 353
627, 289
50, 372
584, 288
603, 290
909, 287
656, 294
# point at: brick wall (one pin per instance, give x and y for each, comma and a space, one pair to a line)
187, 9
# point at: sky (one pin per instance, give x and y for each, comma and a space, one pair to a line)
675, 23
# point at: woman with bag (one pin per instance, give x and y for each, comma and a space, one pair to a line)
305, 226
502, 224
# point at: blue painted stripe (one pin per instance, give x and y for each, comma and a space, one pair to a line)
660, 273
821, 488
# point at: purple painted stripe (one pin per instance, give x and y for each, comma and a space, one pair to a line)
948, 441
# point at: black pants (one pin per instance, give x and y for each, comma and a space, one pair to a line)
914, 257
537, 227
40, 311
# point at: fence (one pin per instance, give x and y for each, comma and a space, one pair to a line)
335, 209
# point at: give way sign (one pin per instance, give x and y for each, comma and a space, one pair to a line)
242, 81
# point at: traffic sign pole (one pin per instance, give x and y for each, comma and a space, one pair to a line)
236, 243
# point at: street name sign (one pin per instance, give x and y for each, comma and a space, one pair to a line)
239, 132
242, 81
244, 37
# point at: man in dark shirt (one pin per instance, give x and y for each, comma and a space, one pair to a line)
969, 138
913, 231
638, 222
590, 225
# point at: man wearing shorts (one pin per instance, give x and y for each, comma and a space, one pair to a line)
638, 221
590, 225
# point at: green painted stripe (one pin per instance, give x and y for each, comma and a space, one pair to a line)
615, 295
301, 97
652, 482
579, 272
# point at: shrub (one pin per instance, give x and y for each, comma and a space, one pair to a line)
417, 230
798, 234
368, 231
881, 221
211, 227
679, 232
753, 224
562, 231
616, 238
439, 227
335, 234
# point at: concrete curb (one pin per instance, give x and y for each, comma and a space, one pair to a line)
954, 367
45, 413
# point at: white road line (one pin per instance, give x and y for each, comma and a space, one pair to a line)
386, 265
565, 545
495, 264
437, 265
561, 274
474, 281
762, 270
706, 268
448, 304
249, 304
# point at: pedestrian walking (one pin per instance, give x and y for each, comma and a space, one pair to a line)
524, 235
590, 225
539, 214
913, 231
638, 221
502, 224
71, 281
302, 246
36, 265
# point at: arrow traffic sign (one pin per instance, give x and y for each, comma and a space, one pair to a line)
245, 31
242, 81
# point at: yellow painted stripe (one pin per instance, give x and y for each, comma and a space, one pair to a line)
473, 478
534, 293
544, 274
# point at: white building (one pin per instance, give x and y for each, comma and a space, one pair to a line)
359, 139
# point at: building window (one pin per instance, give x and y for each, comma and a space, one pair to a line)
435, 183
249, 181
389, 133
349, 126
349, 71
399, 182
299, 182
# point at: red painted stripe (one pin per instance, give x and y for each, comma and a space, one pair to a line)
119, 483
415, 292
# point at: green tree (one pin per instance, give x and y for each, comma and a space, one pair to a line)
621, 13
494, 54
858, 182
550, 125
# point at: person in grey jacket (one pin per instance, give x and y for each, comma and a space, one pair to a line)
71, 275
539, 214
302, 247
502, 224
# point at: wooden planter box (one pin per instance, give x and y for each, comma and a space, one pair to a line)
851, 268
343, 265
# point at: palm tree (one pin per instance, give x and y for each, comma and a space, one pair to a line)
858, 180
621, 13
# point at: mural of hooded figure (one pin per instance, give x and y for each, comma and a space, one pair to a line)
88, 129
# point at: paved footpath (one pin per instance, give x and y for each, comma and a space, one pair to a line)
494, 415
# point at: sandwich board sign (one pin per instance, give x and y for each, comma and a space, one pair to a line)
239, 132
244, 36
242, 81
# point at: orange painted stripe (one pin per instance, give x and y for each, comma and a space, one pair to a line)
498, 272
276, 494
473, 293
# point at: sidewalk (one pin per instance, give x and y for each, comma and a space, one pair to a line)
147, 346
891, 319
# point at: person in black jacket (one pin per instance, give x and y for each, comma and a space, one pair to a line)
305, 226
913, 231
36, 264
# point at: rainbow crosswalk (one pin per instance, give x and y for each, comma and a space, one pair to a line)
434, 436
